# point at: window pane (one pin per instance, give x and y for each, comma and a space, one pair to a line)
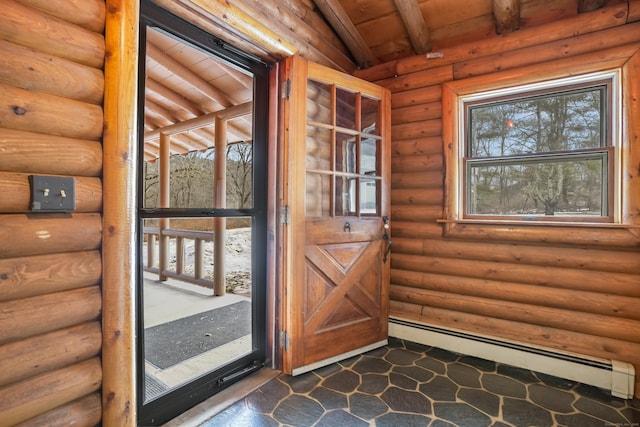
551, 187
368, 196
345, 153
318, 148
369, 157
345, 109
318, 195
318, 102
553, 122
369, 115
239, 176
345, 196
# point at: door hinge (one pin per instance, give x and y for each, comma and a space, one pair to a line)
286, 89
285, 215
284, 340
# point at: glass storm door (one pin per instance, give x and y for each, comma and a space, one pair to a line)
337, 240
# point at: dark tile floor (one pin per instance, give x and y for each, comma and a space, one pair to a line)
406, 384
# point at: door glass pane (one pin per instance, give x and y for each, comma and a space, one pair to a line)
346, 196
318, 148
369, 115
318, 195
346, 153
187, 332
346, 109
239, 175
319, 102
369, 157
368, 196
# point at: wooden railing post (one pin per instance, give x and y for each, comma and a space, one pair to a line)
220, 224
164, 202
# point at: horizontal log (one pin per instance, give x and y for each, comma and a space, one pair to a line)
416, 113
31, 28
83, 412
418, 96
38, 72
28, 317
427, 128
634, 11
433, 162
39, 112
417, 196
42, 233
17, 189
586, 323
418, 146
614, 261
588, 237
41, 274
581, 280
418, 80
37, 153
418, 179
601, 40
608, 17
43, 353
605, 304
408, 213
24, 400
578, 343
420, 230
404, 309
89, 14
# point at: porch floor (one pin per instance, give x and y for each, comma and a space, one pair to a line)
406, 384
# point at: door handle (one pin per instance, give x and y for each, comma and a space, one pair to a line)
385, 236
347, 227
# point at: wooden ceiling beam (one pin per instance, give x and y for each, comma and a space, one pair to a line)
159, 57
417, 29
173, 97
347, 32
589, 5
507, 15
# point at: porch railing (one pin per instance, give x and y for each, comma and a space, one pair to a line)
160, 264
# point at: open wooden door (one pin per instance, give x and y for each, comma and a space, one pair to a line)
337, 170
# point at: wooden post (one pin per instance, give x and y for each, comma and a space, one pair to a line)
119, 400
220, 189
163, 202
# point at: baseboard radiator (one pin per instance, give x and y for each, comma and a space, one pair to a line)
611, 375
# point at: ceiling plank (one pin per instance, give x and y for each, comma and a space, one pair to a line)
347, 31
174, 97
507, 15
417, 29
589, 5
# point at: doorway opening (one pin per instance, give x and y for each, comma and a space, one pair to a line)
202, 216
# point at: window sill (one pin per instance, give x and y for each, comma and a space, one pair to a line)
602, 235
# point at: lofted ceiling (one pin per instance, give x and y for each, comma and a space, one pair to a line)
347, 35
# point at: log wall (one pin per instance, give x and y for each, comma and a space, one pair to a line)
51, 123
575, 289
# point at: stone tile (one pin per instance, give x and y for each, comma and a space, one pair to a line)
395, 343
442, 355
505, 386
599, 410
298, 411
632, 415
401, 357
580, 420
247, 418
463, 375
481, 364
404, 420
501, 424
433, 365
350, 361
460, 414
371, 365
266, 398
340, 418
378, 352
415, 372
329, 399
344, 381
522, 413
600, 395
442, 423
487, 402
366, 406
373, 383
561, 383
406, 401
441, 389
325, 371
403, 381
551, 398
303, 383
522, 375
418, 348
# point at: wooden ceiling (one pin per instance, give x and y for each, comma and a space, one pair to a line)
348, 35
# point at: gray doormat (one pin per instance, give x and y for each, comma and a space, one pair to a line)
171, 343
153, 386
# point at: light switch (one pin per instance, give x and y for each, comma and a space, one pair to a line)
52, 193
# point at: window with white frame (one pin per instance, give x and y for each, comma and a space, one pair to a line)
540, 152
